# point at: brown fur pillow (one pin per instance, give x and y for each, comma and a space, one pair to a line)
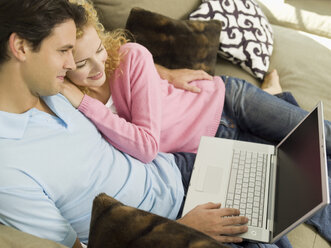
176, 43
116, 225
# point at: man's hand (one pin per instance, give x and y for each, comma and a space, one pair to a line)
181, 78
216, 222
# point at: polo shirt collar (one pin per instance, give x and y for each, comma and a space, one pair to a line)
13, 125
61, 107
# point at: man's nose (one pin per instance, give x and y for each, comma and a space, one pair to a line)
70, 63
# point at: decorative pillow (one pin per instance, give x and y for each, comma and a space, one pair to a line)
176, 43
246, 37
116, 225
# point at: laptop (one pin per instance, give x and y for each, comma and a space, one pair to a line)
276, 187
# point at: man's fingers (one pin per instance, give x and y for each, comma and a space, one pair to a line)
192, 88
210, 205
233, 230
236, 220
229, 212
188, 87
202, 75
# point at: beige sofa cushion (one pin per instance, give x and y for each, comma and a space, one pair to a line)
312, 16
12, 238
303, 62
114, 13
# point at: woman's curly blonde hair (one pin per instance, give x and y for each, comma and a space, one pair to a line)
112, 41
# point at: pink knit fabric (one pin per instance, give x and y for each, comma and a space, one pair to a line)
153, 116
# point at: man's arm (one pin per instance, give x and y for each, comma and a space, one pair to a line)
34, 211
181, 78
218, 223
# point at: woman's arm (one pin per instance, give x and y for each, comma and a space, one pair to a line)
136, 92
181, 78
142, 145
72, 93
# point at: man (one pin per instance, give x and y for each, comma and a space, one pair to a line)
53, 161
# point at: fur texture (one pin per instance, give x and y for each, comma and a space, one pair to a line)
116, 225
176, 43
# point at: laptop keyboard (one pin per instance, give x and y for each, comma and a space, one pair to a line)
246, 185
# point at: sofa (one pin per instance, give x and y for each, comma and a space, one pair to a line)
301, 54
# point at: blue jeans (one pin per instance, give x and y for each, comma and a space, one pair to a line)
250, 114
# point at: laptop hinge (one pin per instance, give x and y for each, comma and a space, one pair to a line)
272, 188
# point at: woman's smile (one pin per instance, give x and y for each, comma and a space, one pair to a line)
97, 76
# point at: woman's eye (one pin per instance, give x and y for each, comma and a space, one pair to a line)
81, 64
101, 49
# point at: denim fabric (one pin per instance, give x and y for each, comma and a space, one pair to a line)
251, 114
185, 162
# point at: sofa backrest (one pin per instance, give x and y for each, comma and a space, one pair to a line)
311, 16
114, 13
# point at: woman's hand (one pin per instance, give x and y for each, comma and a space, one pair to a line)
72, 93
181, 78
218, 223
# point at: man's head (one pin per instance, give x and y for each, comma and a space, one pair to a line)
34, 20
37, 37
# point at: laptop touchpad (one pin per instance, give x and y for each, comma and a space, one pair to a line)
213, 178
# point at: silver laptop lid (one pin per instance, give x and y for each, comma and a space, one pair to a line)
302, 180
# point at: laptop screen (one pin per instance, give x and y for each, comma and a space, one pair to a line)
298, 186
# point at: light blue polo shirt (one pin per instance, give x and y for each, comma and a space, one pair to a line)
51, 168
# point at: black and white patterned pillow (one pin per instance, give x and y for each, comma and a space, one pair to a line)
246, 37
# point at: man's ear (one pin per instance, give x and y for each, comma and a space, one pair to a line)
18, 46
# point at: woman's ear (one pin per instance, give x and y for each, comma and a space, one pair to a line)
17, 47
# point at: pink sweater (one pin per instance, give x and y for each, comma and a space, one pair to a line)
153, 116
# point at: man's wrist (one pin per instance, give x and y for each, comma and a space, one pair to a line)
163, 72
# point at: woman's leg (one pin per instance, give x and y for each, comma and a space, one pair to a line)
251, 110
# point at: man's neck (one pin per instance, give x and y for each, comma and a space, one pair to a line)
15, 97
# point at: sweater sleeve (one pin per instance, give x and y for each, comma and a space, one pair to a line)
136, 92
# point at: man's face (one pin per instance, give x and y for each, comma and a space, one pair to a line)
44, 70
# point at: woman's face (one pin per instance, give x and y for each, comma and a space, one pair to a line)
90, 57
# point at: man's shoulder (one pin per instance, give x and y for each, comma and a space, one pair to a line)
56, 99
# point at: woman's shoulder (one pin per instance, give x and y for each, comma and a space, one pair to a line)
134, 48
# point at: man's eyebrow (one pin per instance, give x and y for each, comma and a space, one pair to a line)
69, 46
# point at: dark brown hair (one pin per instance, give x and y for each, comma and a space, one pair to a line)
34, 20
